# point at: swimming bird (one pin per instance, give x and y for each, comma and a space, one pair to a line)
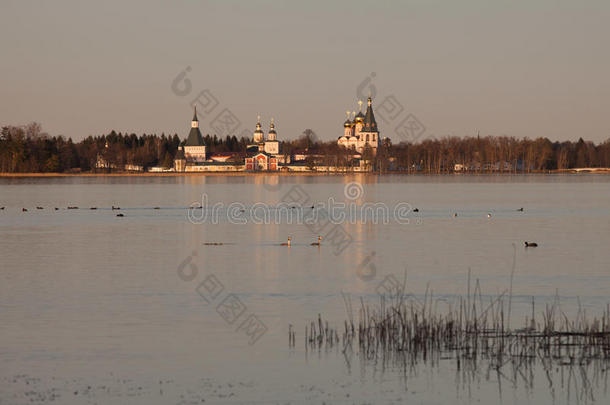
318, 242
531, 244
56, 208
520, 209
72, 208
416, 210
455, 215
24, 210
39, 208
286, 243
120, 215
157, 208
93, 208
488, 215
116, 208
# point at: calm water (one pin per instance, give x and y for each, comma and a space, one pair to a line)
100, 309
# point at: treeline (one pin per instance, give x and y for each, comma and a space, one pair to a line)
472, 154
29, 149
491, 153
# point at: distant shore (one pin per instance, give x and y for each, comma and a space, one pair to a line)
178, 174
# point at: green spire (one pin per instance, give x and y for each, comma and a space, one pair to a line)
370, 125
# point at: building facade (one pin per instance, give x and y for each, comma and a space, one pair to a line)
262, 161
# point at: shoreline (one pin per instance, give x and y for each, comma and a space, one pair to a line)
186, 174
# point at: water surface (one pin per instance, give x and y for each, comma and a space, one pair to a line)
94, 310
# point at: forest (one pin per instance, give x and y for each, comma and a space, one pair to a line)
28, 149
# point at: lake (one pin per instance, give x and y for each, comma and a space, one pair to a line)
176, 304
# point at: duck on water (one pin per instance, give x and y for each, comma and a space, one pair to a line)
318, 242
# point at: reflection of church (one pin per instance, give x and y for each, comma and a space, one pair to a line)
263, 154
361, 130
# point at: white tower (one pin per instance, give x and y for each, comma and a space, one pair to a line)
272, 146
194, 148
195, 121
272, 134
258, 136
348, 126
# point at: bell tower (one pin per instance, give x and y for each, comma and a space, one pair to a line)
258, 134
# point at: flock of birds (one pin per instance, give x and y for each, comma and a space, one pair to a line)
319, 242
287, 243
72, 207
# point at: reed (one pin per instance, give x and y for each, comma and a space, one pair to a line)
402, 331
406, 329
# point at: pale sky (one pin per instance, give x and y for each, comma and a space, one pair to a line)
520, 68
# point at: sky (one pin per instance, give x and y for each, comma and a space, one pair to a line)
434, 68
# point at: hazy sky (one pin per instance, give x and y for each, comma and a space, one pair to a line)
520, 68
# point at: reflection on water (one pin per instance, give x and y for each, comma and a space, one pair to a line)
472, 337
95, 304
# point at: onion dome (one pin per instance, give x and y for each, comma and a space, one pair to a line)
359, 117
348, 123
272, 137
259, 129
258, 135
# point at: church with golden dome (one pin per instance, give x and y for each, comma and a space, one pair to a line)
360, 130
264, 152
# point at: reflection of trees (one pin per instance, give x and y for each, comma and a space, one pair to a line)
474, 340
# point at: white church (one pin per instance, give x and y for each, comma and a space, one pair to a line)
262, 154
361, 130
193, 150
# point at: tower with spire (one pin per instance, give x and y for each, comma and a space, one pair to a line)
194, 147
361, 131
272, 145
